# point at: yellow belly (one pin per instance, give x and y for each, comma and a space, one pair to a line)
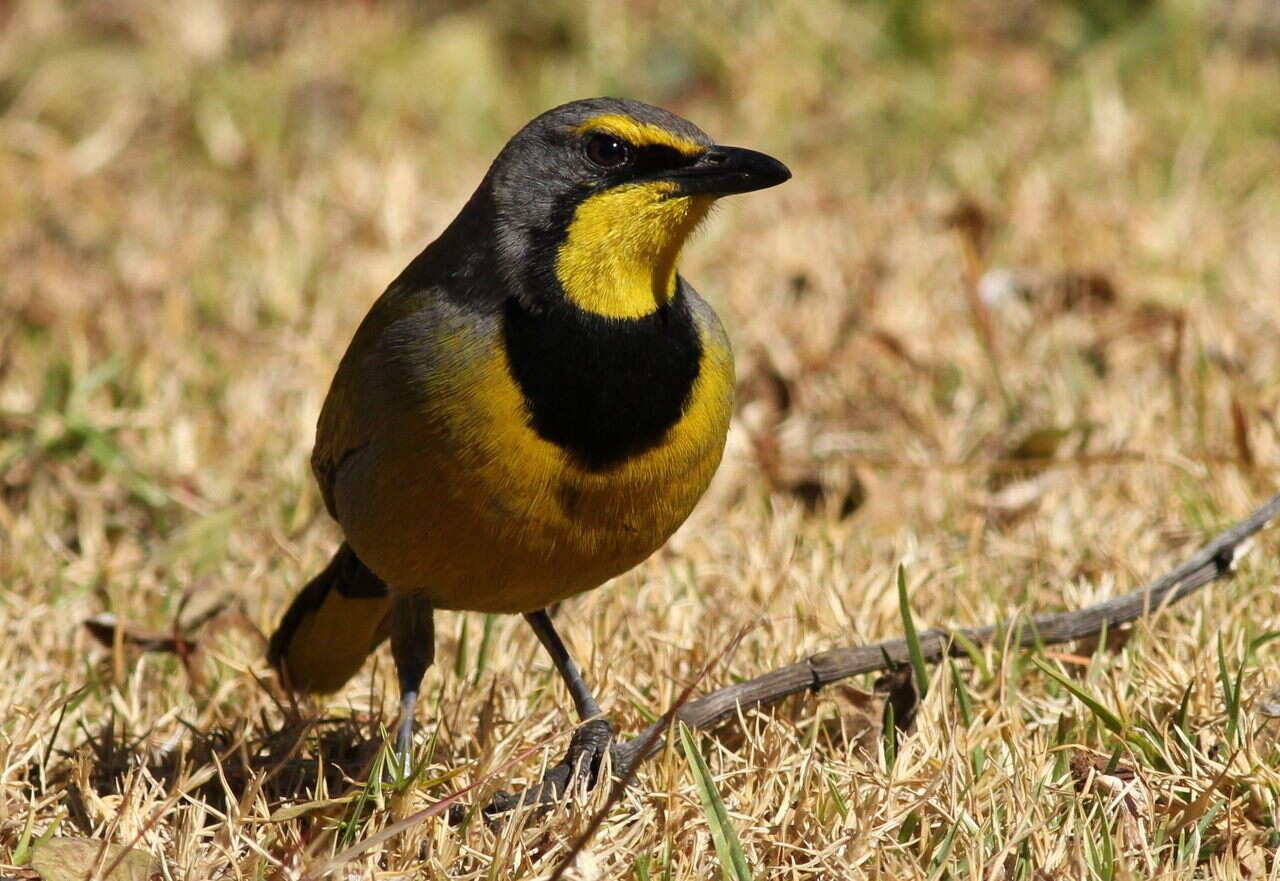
464, 503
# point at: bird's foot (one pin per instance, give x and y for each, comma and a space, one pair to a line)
582, 763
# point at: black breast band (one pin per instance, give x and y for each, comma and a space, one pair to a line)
603, 389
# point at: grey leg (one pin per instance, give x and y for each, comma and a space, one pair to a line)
583, 700
413, 646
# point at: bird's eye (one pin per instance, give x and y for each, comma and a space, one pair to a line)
607, 151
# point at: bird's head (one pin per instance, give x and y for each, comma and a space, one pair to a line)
597, 197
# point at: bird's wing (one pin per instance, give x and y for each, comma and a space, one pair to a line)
412, 338
343, 427
359, 396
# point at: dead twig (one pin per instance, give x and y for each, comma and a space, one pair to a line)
1083, 460
1213, 561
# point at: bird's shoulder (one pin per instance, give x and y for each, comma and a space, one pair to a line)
411, 335
715, 340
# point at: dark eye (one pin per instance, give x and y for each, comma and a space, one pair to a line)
607, 151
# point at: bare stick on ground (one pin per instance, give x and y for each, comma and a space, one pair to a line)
1215, 560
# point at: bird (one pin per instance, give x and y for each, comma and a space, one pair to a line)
531, 408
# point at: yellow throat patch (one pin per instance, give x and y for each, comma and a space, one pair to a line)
620, 254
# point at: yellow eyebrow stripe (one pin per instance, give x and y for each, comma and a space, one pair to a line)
642, 134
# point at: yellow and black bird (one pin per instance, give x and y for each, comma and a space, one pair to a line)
532, 407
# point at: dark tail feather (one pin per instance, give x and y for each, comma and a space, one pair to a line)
331, 626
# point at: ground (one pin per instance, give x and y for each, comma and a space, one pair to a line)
1013, 325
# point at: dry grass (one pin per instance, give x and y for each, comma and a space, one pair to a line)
199, 200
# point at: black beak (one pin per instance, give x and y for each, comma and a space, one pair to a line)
723, 171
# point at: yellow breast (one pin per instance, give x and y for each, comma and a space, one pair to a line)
464, 502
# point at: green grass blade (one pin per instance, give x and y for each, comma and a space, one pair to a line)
974, 651
1260, 641
460, 659
938, 863
913, 638
1180, 718
733, 863
370, 792
1230, 694
482, 656
1105, 715
962, 695
1114, 761
842, 807
22, 853
890, 729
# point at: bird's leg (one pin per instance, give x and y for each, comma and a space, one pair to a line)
583, 701
413, 647
590, 742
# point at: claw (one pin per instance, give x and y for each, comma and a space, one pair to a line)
582, 762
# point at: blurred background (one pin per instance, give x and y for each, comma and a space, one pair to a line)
1014, 321
200, 199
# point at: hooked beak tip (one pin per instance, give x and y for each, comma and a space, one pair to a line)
725, 171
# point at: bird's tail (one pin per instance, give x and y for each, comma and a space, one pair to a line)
331, 626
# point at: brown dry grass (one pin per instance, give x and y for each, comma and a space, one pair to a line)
199, 200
